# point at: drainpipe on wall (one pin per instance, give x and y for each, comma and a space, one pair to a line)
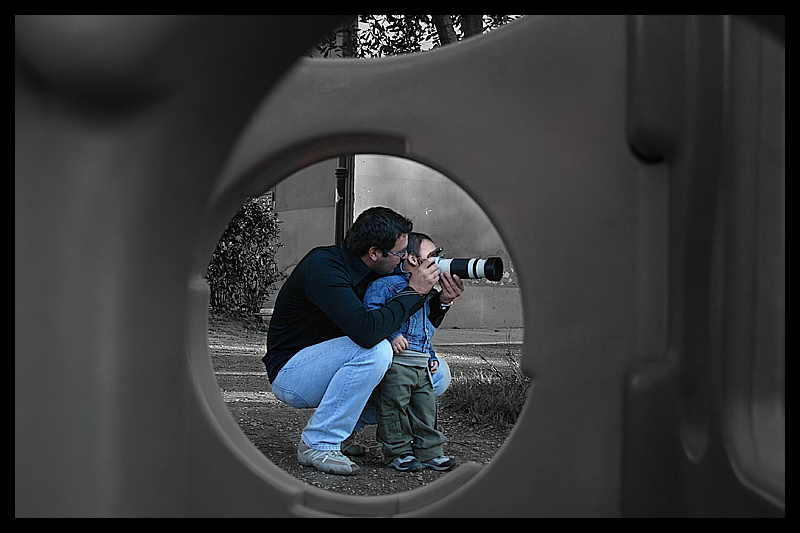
344, 195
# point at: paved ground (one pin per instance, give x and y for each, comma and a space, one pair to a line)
275, 428
253, 350
478, 336
475, 336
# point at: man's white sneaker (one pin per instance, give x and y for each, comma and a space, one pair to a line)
330, 462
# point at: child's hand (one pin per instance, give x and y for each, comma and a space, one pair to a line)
399, 344
433, 364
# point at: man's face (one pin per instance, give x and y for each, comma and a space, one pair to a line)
385, 265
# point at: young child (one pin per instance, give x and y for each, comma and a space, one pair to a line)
405, 401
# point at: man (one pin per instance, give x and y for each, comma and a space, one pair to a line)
325, 349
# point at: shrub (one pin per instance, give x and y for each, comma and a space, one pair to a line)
242, 270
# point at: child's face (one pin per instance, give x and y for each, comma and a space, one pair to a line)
426, 249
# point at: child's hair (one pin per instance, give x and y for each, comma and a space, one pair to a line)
414, 241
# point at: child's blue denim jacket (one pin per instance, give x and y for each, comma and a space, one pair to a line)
418, 329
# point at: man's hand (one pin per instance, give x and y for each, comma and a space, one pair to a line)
425, 277
433, 364
452, 287
399, 344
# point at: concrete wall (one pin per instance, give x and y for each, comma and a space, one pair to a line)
305, 203
442, 209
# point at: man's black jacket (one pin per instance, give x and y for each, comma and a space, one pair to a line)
321, 300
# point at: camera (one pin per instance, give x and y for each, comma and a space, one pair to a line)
490, 268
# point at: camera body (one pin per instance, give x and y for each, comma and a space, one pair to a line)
490, 268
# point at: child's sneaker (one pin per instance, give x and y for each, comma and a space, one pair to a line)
406, 463
440, 463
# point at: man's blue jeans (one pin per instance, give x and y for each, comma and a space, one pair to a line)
337, 378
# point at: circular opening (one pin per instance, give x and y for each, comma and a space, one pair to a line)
480, 340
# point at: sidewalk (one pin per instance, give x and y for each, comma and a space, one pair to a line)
478, 336
455, 336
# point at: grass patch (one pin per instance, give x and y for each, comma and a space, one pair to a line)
489, 395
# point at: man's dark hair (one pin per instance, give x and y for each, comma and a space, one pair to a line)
414, 241
377, 226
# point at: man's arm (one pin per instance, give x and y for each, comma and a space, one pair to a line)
424, 278
378, 293
452, 287
329, 287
